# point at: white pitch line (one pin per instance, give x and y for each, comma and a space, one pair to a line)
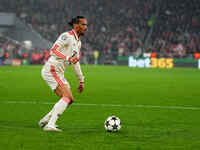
106, 105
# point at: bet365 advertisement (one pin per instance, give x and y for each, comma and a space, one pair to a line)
151, 62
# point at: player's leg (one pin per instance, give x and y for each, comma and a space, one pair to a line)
44, 121
49, 79
59, 92
46, 118
61, 87
66, 99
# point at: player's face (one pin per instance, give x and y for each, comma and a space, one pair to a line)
82, 26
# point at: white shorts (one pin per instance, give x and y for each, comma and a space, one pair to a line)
52, 77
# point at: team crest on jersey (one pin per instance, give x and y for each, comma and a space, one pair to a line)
64, 37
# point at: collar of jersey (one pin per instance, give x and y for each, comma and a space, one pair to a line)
75, 35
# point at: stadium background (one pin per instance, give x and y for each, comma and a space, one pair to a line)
139, 28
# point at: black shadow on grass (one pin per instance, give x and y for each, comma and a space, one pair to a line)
18, 124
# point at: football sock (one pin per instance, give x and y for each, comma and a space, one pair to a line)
58, 109
47, 116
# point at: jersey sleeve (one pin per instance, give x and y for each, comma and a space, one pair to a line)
62, 47
64, 39
78, 72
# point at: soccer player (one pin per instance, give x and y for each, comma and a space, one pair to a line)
65, 50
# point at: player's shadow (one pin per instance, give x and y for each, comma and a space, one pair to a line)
10, 124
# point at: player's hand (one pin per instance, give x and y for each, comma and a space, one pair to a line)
81, 86
73, 59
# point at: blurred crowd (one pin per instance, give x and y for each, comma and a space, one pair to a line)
177, 29
10, 49
118, 28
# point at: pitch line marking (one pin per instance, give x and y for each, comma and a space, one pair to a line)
106, 105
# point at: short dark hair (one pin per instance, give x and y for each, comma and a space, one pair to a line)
75, 20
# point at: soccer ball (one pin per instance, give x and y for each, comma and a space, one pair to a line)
112, 124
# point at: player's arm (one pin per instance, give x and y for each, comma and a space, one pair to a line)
79, 75
64, 41
73, 59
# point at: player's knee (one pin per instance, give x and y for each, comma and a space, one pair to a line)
69, 95
70, 99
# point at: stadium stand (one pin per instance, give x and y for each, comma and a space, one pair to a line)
168, 28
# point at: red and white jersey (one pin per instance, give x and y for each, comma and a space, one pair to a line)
67, 45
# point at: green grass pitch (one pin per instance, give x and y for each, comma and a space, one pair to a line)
159, 109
